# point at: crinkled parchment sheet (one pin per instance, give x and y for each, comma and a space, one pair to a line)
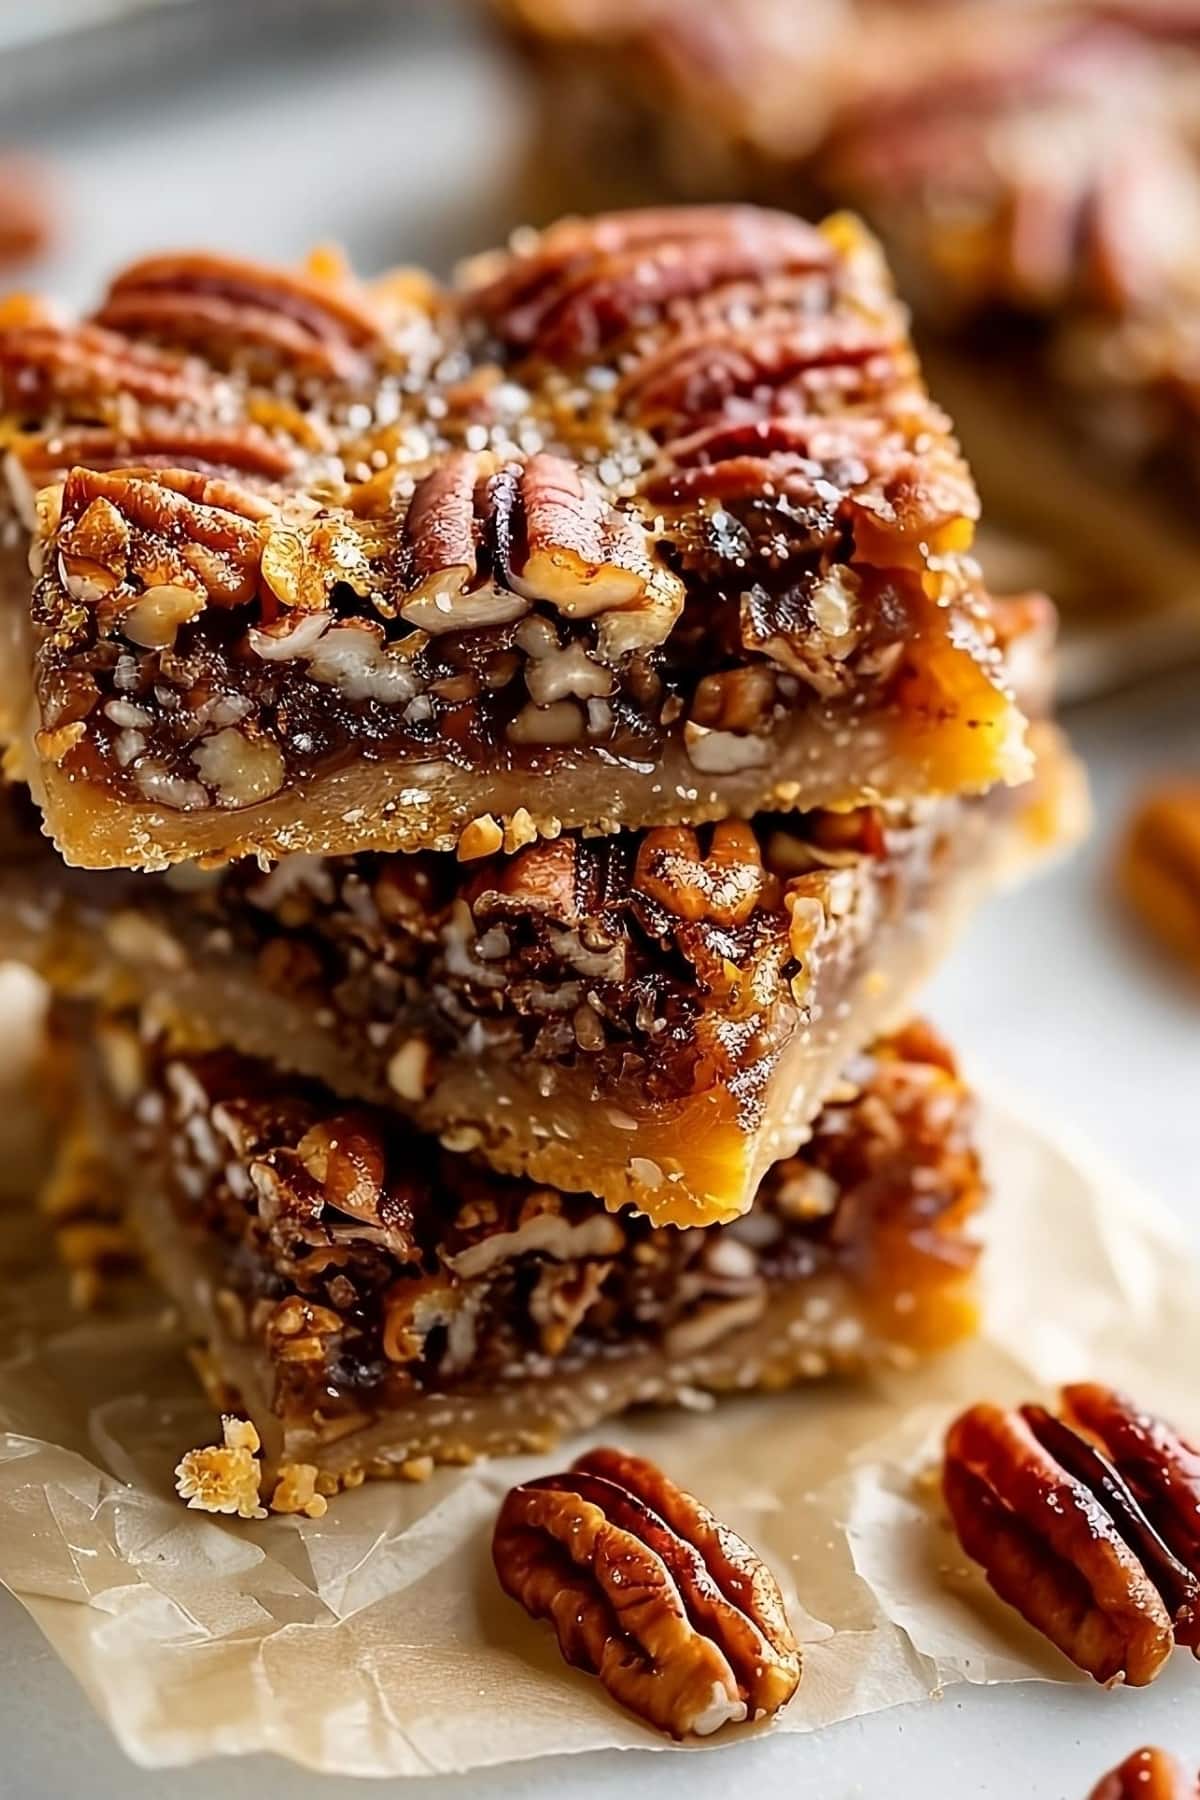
375, 1641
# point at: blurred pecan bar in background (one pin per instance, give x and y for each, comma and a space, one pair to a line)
374, 1299
653, 1017
1034, 173
647, 519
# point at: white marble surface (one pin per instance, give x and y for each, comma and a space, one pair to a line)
405, 149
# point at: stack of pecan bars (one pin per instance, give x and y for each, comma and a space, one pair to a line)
513, 751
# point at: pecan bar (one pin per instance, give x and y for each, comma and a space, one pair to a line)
1032, 171
653, 1016
648, 519
375, 1299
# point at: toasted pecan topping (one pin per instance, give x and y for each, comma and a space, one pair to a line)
1091, 1545
485, 543
678, 1617
1148, 1774
241, 310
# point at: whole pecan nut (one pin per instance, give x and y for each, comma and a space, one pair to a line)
1148, 1774
680, 1619
1158, 867
1087, 1528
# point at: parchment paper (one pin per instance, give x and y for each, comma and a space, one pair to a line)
375, 1641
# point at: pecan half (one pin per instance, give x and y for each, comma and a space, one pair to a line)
456, 539
585, 283
1149, 1774
244, 311
1065, 1537
483, 544
681, 1620
37, 459
1158, 867
771, 368
45, 366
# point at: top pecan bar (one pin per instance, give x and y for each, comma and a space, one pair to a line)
648, 518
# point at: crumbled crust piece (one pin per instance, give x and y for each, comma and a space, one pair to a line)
1086, 1524
681, 1620
296, 1491
646, 517
224, 1478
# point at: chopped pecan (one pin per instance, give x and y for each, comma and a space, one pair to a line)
682, 1622
585, 283
724, 886
1159, 867
245, 312
1065, 1537
1149, 1774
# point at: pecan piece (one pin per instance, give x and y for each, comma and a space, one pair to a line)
180, 527
1063, 1536
245, 311
454, 536
700, 375
1159, 867
1149, 1774
680, 1619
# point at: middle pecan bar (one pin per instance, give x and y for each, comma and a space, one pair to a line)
653, 1017
373, 1299
652, 521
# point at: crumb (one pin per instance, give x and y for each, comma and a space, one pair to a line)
417, 1468
224, 1478
296, 1491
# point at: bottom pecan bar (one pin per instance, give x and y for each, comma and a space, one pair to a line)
374, 1298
